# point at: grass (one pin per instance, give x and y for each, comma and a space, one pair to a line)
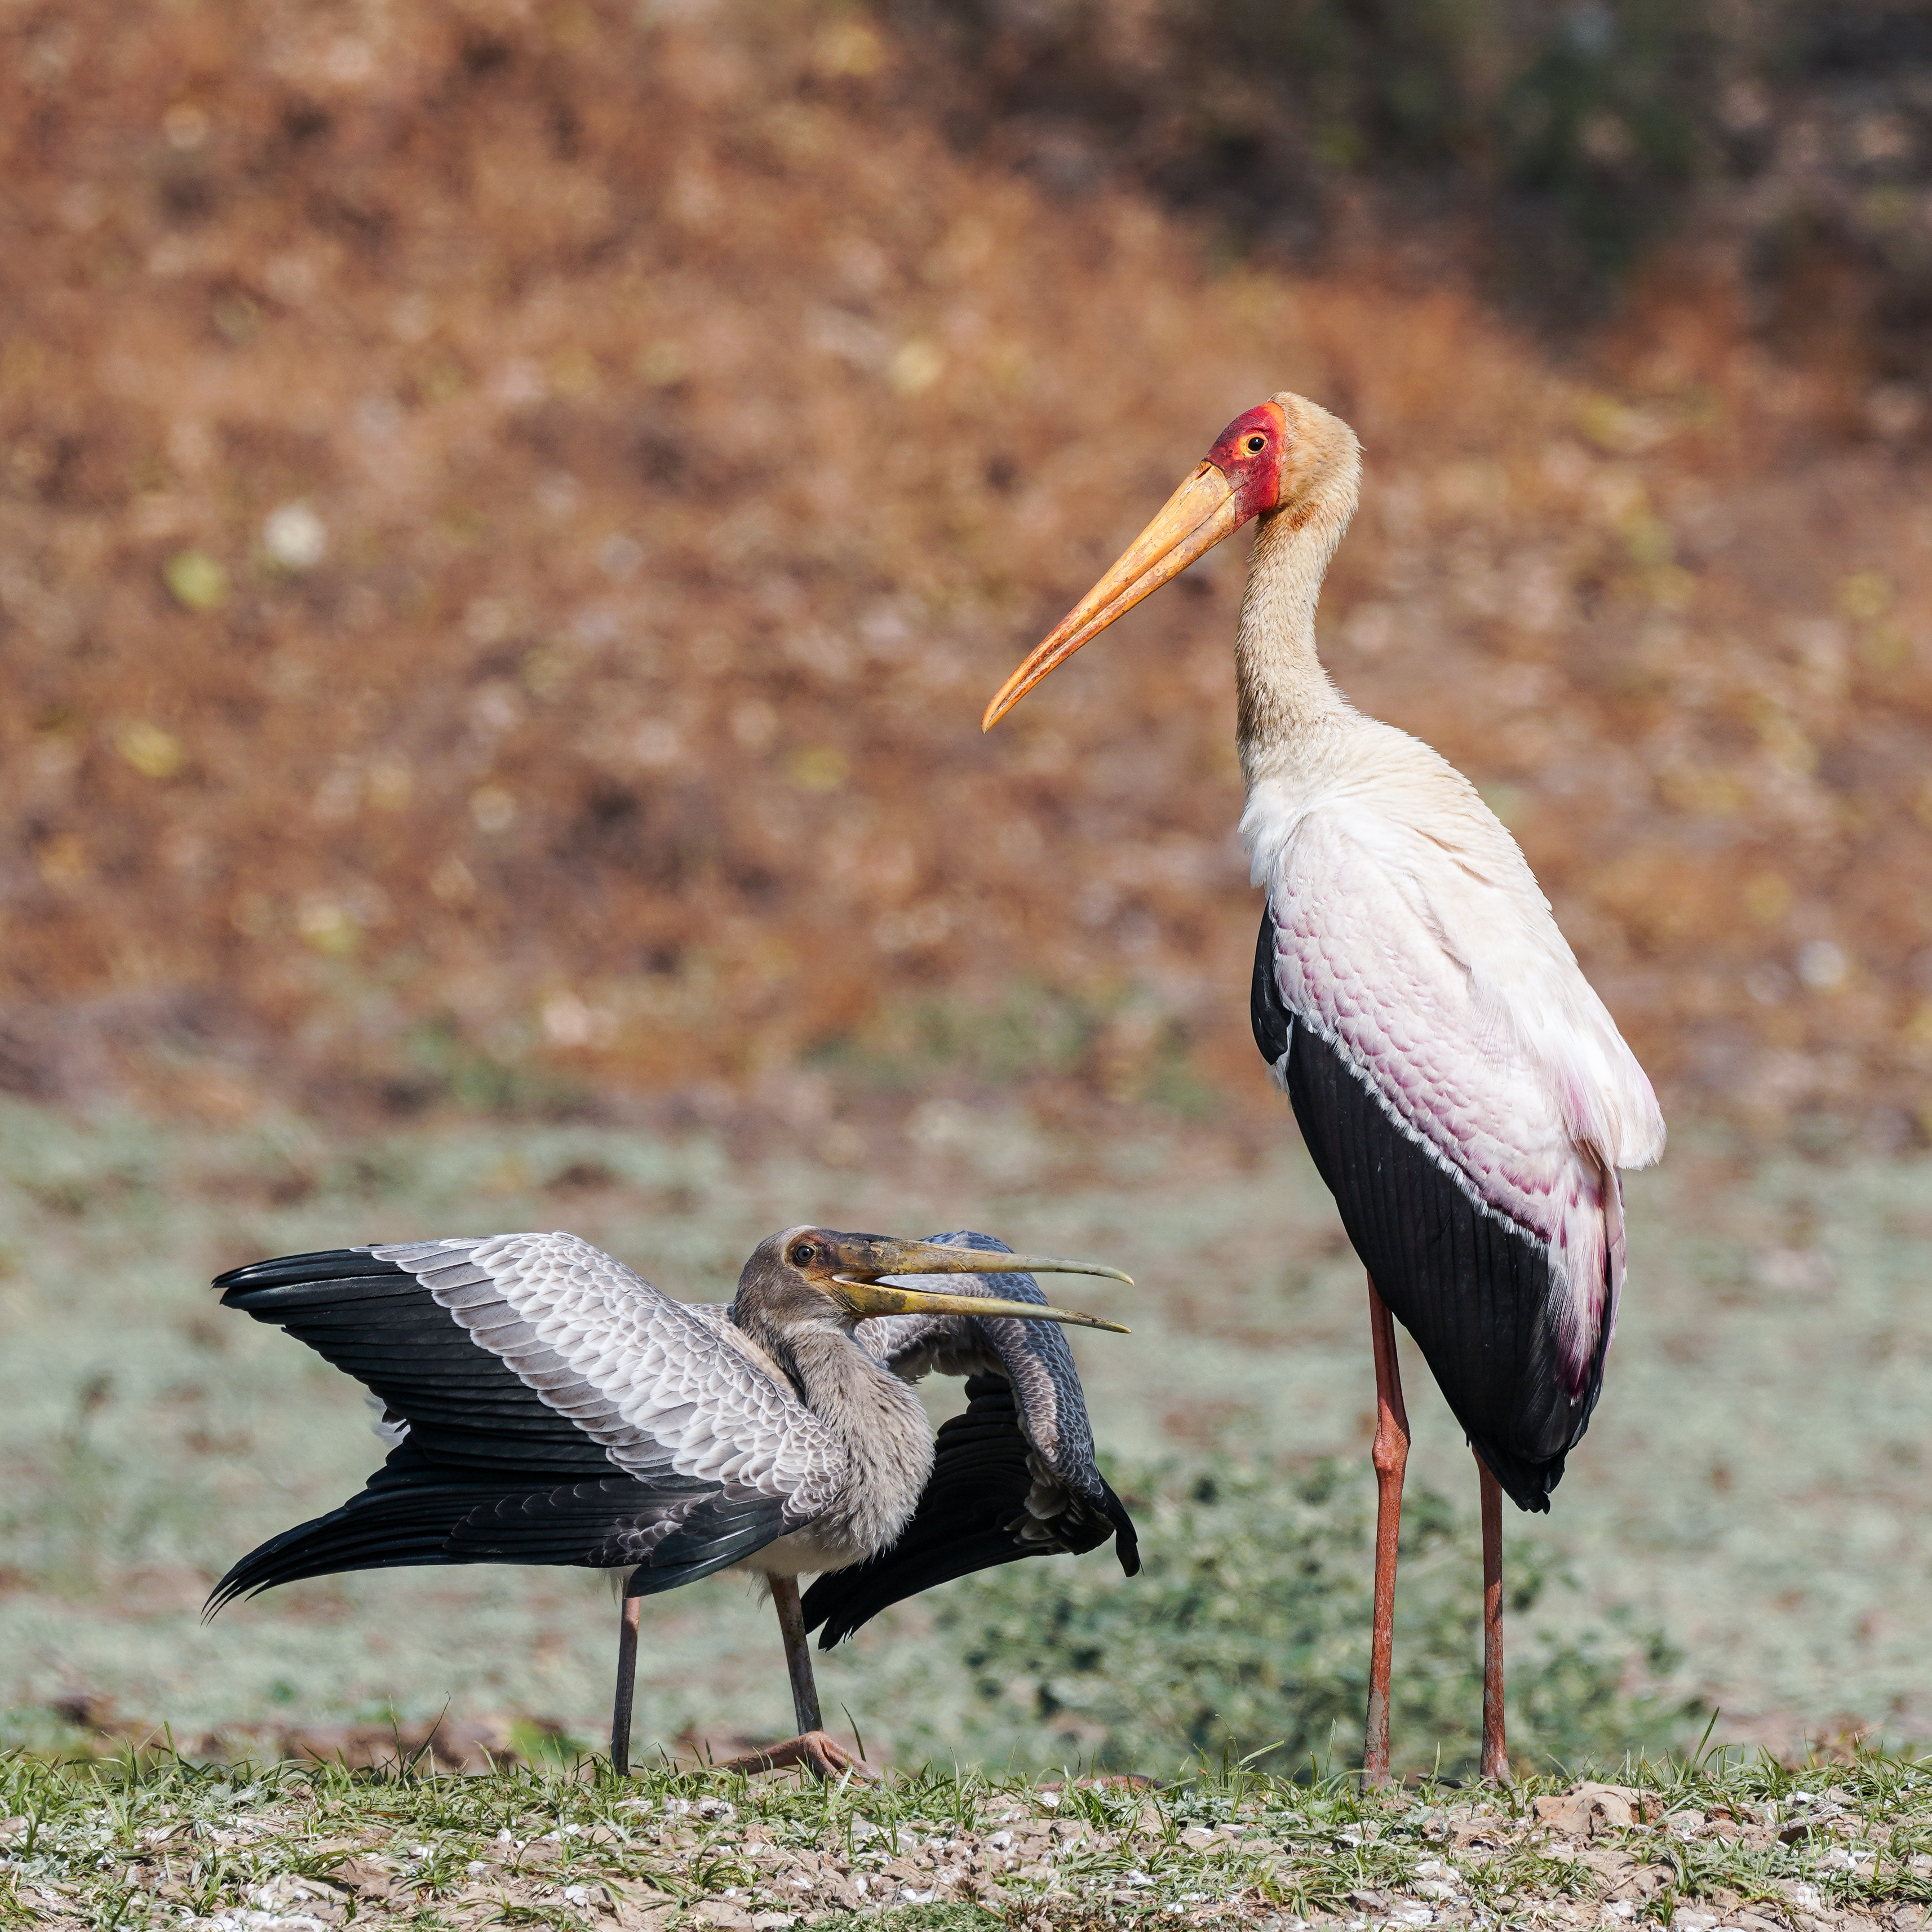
144, 1441
1243, 1638
162, 1840
1751, 1486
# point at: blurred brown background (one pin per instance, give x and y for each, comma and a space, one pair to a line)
509, 515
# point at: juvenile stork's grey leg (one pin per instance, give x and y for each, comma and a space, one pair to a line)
1496, 1752
821, 1754
798, 1655
1391, 1456
627, 1681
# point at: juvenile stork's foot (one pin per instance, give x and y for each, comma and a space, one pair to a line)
818, 1751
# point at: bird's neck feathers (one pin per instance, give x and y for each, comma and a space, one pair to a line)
883, 1425
1285, 698
844, 1385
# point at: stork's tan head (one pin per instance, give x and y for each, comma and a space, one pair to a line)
1284, 458
817, 1274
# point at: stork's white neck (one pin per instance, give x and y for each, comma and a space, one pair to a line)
1286, 697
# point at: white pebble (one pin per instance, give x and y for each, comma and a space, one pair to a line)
295, 536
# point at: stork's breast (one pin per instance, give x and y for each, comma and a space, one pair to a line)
805, 1552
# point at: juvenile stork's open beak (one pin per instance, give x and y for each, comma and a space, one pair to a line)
858, 1284
1238, 477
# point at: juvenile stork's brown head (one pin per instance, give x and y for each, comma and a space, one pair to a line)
817, 1275
1285, 458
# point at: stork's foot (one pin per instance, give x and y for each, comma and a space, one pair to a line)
819, 1752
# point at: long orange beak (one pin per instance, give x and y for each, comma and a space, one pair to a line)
1205, 508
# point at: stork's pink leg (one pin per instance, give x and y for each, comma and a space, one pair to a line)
627, 1679
1391, 1456
1496, 1752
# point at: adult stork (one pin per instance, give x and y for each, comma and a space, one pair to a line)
546, 1404
1462, 1090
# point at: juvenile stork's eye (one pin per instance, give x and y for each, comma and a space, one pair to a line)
804, 1255
1256, 444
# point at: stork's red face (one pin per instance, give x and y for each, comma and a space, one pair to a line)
1250, 453
1242, 476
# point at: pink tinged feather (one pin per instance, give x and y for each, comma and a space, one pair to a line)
1448, 990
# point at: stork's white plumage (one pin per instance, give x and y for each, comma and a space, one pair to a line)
1428, 960
1461, 1087
544, 1404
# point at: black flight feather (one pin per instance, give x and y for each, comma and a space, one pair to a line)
375, 1321
411, 1513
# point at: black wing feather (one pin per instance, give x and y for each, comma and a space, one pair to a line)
973, 1513
970, 1517
1474, 1290
412, 1513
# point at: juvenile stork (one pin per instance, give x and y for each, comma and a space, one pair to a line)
546, 1404
1461, 1087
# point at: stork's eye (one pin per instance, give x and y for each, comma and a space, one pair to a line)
1256, 444
804, 1255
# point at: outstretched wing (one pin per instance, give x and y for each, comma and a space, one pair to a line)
549, 1406
1014, 1476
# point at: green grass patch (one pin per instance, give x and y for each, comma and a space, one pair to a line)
1245, 1639
147, 1439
